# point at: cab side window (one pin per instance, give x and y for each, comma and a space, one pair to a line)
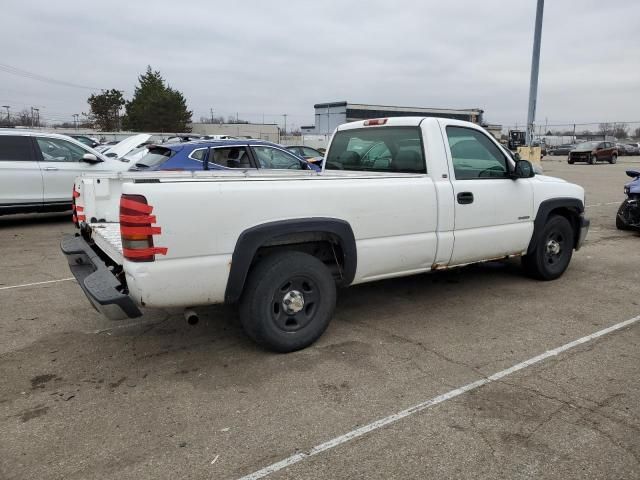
474, 155
57, 150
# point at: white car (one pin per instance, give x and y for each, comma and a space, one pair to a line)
396, 197
37, 170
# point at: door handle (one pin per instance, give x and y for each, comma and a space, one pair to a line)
465, 198
51, 168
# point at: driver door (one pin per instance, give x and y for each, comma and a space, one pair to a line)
60, 163
493, 212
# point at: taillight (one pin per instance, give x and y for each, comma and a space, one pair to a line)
375, 121
77, 210
137, 230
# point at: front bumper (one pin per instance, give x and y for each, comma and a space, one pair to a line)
101, 287
584, 229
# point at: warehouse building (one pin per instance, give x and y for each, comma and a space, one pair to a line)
261, 131
329, 115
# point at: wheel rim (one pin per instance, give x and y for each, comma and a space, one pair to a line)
554, 248
294, 303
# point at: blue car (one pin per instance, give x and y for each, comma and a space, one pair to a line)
220, 155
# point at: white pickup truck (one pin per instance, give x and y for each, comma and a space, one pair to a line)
396, 197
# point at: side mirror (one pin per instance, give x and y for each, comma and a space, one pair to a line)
523, 169
90, 158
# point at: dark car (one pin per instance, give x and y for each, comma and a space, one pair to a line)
562, 149
88, 141
220, 155
591, 152
633, 149
309, 154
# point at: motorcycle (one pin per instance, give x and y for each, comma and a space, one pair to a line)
628, 217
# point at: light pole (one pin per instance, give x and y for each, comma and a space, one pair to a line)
8, 116
535, 64
285, 124
75, 121
37, 110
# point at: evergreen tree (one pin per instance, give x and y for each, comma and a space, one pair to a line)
156, 107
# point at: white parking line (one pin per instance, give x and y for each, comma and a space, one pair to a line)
37, 283
358, 432
603, 204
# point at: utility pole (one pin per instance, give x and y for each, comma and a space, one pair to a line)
8, 115
285, 123
31, 117
37, 110
211, 109
75, 121
535, 64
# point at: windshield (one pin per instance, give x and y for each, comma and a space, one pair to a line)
587, 145
378, 149
156, 157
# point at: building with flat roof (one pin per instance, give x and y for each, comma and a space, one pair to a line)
329, 115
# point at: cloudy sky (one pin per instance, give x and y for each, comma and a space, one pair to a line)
255, 57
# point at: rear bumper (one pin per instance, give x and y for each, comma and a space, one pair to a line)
100, 286
584, 229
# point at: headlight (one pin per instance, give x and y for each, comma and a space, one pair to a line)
626, 190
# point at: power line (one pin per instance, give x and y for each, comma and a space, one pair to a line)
41, 78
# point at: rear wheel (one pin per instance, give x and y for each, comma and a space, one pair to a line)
593, 159
614, 158
288, 301
552, 254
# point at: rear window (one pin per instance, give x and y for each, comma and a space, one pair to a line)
156, 157
377, 149
15, 148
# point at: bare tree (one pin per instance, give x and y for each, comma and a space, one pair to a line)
636, 132
620, 130
604, 129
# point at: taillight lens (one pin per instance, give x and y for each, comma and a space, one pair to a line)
137, 230
77, 210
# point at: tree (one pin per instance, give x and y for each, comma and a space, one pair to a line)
104, 109
636, 132
604, 129
620, 130
156, 107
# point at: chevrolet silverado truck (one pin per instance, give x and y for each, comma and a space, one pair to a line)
396, 197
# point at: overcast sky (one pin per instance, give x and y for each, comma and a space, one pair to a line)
275, 57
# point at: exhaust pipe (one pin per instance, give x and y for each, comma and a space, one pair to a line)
191, 317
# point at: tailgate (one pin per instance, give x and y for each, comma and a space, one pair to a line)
107, 238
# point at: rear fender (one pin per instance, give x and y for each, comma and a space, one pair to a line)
253, 238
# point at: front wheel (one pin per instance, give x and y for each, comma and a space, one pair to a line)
614, 158
552, 254
288, 301
621, 217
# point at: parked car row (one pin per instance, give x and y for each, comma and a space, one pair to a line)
38, 169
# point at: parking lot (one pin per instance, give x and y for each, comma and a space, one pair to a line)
82, 397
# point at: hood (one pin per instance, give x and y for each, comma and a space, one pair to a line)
125, 146
548, 179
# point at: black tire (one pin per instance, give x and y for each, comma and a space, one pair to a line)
592, 160
620, 223
545, 262
613, 159
570, 162
286, 277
